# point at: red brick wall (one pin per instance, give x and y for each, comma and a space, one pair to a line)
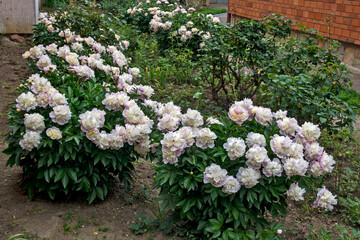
344, 14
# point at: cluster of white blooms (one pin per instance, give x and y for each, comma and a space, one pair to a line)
156, 24
174, 144
44, 64
115, 101
235, 147
42, 94
325, 199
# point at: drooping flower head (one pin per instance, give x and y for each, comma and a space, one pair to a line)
325, 199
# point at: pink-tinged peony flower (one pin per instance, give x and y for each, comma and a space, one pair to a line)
56, 99
313, 151
295, 193
316, 170
281, 145
272, 168
63, 51
54, 133
215, 175
168, 123
248, 177
310, 131
263, 115
235, 147
280, 114
134, 115
294, 166
288, 126
211, 120
256, 156
238, 114
325, 199
44, 61
83, 71
205, 138
34, 122
72, 59
255, 139
52, 48
231, 185
37, 51
326, 162
61, 114
26, 101
296, 151
115, 101
192, 118
30, 140
188, 135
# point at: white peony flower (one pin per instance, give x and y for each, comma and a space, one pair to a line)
54, 133
34, 122
235, 148
205, 138
215, 175
256, 156
255, 139
325, 199
310, 131
192, 118
263, 115
61, 114
231, 185
26, 101
30, 140
295, 193
295, 166
288, 126
272, 168
248, 177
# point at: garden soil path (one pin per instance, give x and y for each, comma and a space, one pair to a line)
69, 220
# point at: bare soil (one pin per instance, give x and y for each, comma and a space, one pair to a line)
64, 220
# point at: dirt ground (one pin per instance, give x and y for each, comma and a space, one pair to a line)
44, 219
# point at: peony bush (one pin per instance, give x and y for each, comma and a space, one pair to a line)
223, 177
79, 120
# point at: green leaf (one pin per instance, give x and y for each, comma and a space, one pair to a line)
92, 196
65, 180
59, 174
72, 174
99, 192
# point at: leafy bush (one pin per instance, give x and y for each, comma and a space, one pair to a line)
75, 114
199, 164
